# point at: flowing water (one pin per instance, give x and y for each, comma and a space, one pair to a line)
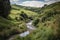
30, 28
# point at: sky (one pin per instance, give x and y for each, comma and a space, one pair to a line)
33, 3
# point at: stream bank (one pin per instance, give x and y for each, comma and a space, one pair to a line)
30, 28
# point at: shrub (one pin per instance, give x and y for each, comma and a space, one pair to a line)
35, 22
23, 15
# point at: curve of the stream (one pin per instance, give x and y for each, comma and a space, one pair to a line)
30, 28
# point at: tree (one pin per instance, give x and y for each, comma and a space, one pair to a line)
4, 8
23, 15
45, 5
36, 21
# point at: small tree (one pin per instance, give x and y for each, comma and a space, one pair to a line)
23, 15
36, 22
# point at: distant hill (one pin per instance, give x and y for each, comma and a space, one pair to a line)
39, 9
33, 9
17, 9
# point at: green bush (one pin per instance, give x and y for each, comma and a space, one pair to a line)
35, 22
23, 15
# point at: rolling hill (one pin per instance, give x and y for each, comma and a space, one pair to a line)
47, 24
18, 16
45, 19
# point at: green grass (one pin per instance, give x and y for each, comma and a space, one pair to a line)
9, 28
15, 13
48, 25
46, 29
14, 26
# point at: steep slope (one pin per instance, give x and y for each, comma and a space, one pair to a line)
9, 28
47, 24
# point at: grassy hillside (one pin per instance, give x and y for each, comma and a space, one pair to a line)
47, 24
16, 11
9, 28
45, 19
33, 9
16, 22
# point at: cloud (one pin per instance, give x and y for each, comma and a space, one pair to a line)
17, 1
46, 0
36, 3
33, 3
14, 0
52, 0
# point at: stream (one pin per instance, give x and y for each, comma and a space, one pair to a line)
30, 28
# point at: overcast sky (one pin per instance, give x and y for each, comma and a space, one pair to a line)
33, 3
